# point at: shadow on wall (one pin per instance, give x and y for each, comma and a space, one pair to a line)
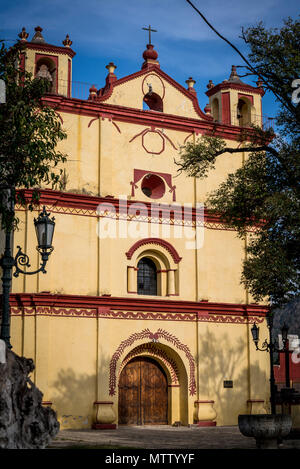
224, 358
73, 398
73, 395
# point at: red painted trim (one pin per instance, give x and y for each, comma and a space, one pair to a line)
50, 48
153, 152
106, 303
140, 117
86, 205
160, 242
138, 174
235, 86
147, 335
164, 75
226, 114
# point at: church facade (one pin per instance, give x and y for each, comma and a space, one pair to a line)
141, 317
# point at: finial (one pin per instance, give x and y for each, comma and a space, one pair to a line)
111, 67
93, 93
23, 35
210, 85
207, 109
190, 82
233, 75
67, 42
150, 56
38, 37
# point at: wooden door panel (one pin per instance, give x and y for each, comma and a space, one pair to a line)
154, 394
143, 393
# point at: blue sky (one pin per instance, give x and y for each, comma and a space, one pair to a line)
104, 31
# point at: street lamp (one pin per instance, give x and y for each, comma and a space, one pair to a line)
44, 227
271, 348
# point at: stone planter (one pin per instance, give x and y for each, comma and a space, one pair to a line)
266, 429
256, 406
104, 417
205, 414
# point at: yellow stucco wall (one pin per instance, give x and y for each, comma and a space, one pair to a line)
72, 349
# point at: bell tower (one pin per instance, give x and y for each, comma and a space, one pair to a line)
49, 61
234, 102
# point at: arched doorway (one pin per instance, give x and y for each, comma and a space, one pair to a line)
143, 393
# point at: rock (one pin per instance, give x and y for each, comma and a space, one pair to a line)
24, 422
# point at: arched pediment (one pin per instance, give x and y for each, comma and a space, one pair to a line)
165, 245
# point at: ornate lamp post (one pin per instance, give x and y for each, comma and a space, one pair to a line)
271, 348
44, 227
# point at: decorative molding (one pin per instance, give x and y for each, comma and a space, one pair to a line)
134, 308
134, 315
146, 334
162, 83
145, 118
70, 203
160, 242
234, 86
50, 48
148, 316
152, 350
138, 174
157, 131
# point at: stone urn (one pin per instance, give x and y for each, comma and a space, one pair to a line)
267, 429
104, 416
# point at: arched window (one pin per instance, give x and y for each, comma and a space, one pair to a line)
146, 277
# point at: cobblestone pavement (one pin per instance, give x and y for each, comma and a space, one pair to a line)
161, 437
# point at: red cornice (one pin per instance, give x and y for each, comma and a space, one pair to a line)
137, 116
88, 202
234, 86
135, 304
50, 48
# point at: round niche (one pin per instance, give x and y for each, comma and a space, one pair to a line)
153, 186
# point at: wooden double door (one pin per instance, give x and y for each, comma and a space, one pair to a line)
143, 393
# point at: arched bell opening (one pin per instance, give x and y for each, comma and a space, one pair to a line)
215, 110
244, 112
46, 68
153, 102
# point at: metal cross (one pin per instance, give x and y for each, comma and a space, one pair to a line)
149, 29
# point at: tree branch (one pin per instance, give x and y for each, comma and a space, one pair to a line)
241, 55
250, 149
